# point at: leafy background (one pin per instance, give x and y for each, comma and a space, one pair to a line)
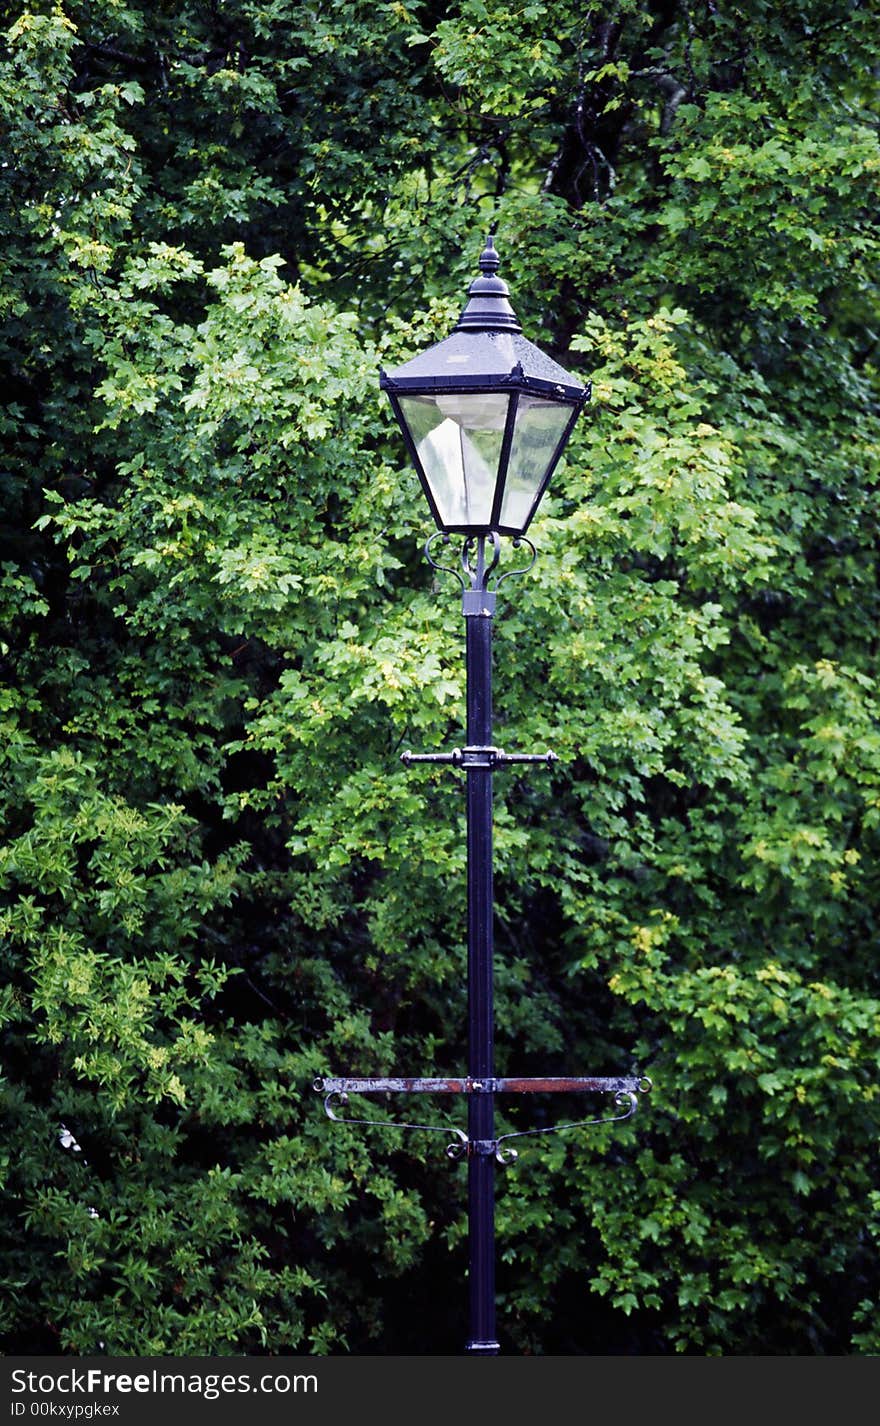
218, 220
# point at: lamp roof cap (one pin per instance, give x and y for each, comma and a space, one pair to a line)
486, 350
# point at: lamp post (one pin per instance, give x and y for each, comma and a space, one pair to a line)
485, 415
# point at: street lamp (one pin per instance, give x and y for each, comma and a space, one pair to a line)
485, 415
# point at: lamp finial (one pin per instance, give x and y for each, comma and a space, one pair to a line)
488, 307
489, 259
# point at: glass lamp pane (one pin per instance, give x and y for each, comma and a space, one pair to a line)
458, 442
538, 431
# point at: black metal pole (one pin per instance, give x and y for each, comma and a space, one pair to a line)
478, 606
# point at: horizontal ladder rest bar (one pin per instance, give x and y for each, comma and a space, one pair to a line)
478, 756
626, 1090
555, 1085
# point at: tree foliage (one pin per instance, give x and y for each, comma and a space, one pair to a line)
216, 880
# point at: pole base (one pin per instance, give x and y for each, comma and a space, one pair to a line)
483, 1349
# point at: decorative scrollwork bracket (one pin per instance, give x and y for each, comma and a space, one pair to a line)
625, 1090
478, 561
340, 1097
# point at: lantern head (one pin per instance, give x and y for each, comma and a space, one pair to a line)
485, 414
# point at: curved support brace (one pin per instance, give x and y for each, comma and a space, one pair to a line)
625, 1096
524, 569
453, 1151
442, 568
